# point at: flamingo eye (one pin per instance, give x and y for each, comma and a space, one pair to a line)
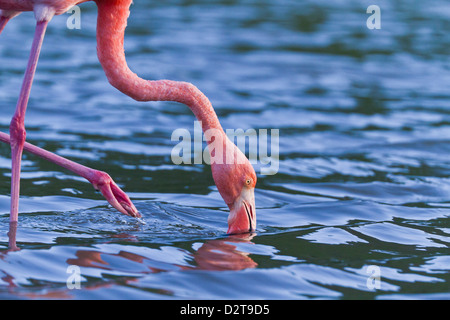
248, 181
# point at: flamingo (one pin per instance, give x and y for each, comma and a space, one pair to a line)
233, 174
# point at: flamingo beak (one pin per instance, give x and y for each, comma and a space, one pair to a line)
242, 218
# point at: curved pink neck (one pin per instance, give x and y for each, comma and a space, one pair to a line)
112, 21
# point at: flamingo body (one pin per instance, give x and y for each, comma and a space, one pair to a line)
59, 6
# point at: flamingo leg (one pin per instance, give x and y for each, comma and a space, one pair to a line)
17, 126
99, 179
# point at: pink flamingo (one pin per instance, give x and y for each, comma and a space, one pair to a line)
233, 174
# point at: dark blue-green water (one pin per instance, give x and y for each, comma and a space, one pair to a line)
362, 184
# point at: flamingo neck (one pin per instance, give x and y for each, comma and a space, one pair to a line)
112, 21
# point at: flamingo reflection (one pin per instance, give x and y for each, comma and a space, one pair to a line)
215, 255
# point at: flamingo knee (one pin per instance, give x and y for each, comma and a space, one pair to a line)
17, 132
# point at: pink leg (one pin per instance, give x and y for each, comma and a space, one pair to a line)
99, 179
17, 127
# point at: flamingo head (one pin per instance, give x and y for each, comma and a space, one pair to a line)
236, 184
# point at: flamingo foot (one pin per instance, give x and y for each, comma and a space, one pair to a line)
113, 194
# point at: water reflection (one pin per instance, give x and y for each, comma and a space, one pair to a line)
217, 254
125, 267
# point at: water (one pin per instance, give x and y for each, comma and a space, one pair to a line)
362, 187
